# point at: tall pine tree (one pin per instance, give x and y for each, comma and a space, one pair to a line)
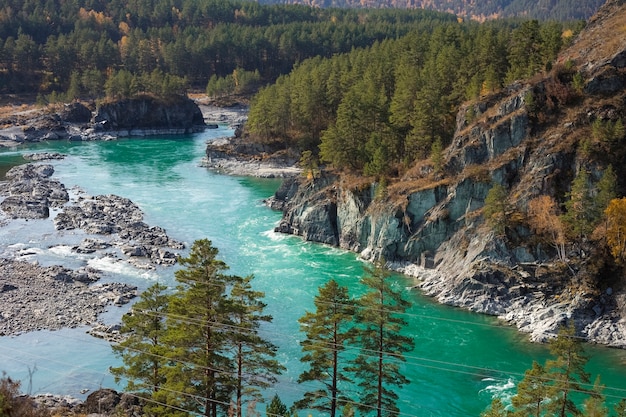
254, 356
327, 331
201, 376
378, 334
143, 350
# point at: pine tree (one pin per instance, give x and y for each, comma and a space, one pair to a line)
578, 218
620, 408
277, 408
496, 409
532, 392
567, 371
594, 405
143, 351
254, 357
606, 191
327, 331
495, 208
378, 334
201, 376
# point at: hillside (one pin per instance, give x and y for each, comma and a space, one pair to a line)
480, 10
558, 136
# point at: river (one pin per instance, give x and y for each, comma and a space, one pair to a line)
461, 360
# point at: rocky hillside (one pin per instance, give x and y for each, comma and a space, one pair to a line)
479, 10
527, 139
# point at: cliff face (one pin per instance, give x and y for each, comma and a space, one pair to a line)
525, 139
180, 115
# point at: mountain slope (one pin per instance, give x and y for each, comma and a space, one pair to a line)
544, 9
532, 139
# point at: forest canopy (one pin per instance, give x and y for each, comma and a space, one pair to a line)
46, 44
378, 109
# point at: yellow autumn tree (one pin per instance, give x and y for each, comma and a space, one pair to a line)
543, 215
616, 228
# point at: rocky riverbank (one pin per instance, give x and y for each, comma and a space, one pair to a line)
33, 297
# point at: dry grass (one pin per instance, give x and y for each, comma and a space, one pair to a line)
593, 44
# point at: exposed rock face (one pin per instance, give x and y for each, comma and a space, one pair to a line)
437, 232
141, 116
181, 115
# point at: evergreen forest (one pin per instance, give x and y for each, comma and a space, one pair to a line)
75, 46
377, 110
561, 10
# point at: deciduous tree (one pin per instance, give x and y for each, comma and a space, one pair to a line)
543, 216
616, 228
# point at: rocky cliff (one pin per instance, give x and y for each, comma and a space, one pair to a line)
178, 115
527, 138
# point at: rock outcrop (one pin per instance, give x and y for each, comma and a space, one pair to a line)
114, 215
435, 230
141, 116
147, 115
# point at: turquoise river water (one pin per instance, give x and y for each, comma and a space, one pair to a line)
460, 362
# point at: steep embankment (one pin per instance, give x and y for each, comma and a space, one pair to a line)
526, 139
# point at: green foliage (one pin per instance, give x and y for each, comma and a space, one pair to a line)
276, 408
533, 392
496, 409
607, 131
253, 356
606, 190
143, 350
578, 82
41, 46
620, 408
123, 84
550, 390
239, 82
495, 209
436, 156
375, 109
327, 331
378, 334
309, 165
580, 217
181, 350
566, 372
